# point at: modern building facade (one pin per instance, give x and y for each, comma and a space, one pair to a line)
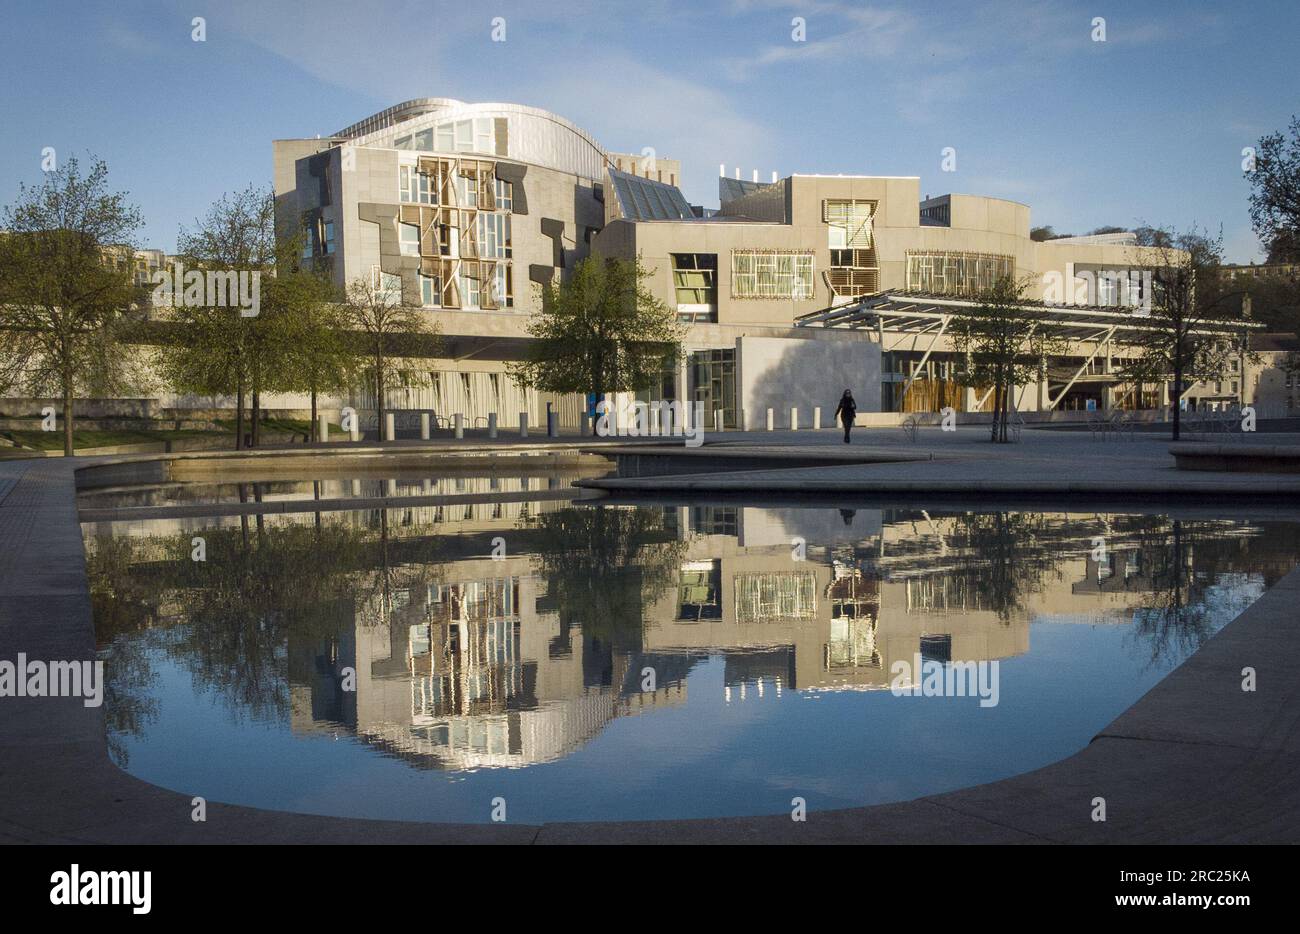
790, 291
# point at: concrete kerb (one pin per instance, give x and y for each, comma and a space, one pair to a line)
58, 787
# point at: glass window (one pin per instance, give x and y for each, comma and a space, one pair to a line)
505, 192
771, 275
428, 290
849, 223
329, 237
695, 278
956, 273
469, 285
415, 187
493, 231
410, 239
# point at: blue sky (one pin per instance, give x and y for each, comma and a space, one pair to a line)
1146, 127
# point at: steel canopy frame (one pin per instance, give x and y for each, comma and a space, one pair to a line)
912, 313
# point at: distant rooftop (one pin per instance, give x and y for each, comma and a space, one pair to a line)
644, 199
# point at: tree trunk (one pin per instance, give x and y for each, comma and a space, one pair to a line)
997, 402
67, 417
1178, 397
380, 401
239, 417
257, 417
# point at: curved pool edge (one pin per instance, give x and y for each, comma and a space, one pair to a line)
1195, 760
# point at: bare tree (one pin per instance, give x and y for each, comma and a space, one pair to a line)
1003, 345
1187, 300
1275, 194
393, 335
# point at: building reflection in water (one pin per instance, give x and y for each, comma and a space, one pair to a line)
466, 661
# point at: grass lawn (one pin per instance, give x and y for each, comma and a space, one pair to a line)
95, 438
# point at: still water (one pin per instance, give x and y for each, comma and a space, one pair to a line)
618, 662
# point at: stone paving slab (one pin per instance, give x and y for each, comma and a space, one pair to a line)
966, 461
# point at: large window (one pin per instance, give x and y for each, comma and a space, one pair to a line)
474, 135
415, 186
762, 598
849, 223
493, 231
956, 273
771, 274
695, 283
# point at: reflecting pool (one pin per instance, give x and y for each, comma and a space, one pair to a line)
605, 662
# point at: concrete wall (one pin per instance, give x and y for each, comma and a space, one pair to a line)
781, 373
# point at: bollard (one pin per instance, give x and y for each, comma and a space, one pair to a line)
611, 416
817, 416
323, 432
390, 427
424, 426
717, 420
586, 424
492, 425
354, 433
391, 487
459, 420
794, 418
552, 424
427, 485
744, 419
771, 420
523, 424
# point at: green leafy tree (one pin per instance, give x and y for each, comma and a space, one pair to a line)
601, 331
214, 349
66, 288
324, 357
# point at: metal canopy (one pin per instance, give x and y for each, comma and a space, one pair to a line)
918, 313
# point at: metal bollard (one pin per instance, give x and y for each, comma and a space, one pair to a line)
817, 416
743, 416
459, 421
323, 429
523, 424
424, 426
771, 420
552, 424
794, 418
390, 427
717, 420
492, 425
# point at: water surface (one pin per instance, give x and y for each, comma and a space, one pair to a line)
610, 662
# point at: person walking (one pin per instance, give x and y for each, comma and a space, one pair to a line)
846, 411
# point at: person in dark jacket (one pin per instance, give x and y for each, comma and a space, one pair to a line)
846, 411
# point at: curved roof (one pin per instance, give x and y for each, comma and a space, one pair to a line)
534, 135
